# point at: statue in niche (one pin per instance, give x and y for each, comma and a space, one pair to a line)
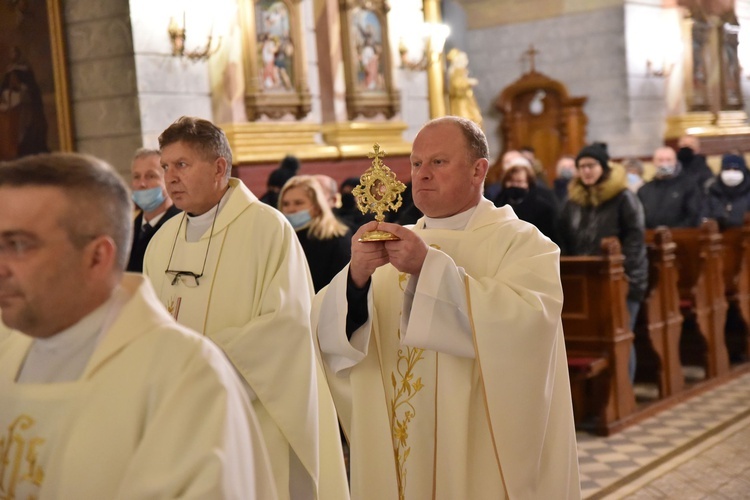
718, 15
701, 57
460, 87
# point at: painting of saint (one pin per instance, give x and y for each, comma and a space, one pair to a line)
275, 47
367, 35
27, 83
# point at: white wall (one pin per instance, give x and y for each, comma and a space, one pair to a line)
585, 51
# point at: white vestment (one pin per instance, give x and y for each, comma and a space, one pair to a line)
158, 413
254, 302
431, 412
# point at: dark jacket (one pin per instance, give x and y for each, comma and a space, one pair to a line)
533, 209
674, 201
325, 257
141, 238
695, 167
727, 204
561, 190
607, 209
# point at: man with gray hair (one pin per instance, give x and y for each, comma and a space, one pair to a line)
100, 387
444, 349
232, 268
151, 198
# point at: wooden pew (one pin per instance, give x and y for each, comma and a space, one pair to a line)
702, 295
660, 320
737, 283
597, 338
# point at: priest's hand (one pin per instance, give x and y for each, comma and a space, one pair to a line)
407, 254
366, 256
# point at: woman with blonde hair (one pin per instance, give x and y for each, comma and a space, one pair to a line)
325, 240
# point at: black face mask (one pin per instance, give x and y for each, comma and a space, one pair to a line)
516, 194
685, 155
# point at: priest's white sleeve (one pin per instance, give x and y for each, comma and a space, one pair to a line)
435, 311
338, 352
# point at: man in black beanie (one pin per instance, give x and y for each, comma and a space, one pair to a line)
600, 205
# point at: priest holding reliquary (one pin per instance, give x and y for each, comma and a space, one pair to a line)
443, 344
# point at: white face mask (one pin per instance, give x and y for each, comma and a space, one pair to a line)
732, 177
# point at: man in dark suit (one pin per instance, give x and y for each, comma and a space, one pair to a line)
150, 195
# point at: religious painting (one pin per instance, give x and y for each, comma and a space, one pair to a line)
367, 59
275, 47
274, 61
34, 104
368, 45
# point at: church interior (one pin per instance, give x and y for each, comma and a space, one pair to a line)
324, 80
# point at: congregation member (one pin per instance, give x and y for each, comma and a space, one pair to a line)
348, 213
325, 240
330, 189
232, 269
529, 153
728, 194
102, 394
601, 205
288, 168
520, 192
565, 170
693, 163
444, 349
671, 198
634, 171
512, 159
150, 196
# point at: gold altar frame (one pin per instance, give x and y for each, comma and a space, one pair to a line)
360, 101
49, 65
273, 103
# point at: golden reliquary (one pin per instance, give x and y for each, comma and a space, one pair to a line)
378, 191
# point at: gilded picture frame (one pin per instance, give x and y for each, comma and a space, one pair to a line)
368, 66
274, 59
34, 101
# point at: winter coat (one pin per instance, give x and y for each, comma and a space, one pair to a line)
674, 201
727, 204
606, 209
534, 209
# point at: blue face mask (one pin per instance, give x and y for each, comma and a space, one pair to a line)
299, 219
633, 179
149, 199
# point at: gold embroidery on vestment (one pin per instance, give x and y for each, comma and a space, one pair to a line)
173, 306
402, 410
18, 458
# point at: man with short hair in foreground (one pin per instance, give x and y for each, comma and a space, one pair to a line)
444, 350
102, 393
